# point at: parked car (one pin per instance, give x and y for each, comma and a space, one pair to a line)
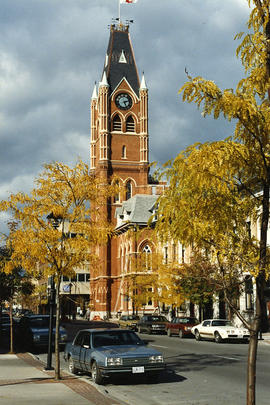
33, 331
152, 323
218, 330
107, 352
128, 321
5, 324
181, 326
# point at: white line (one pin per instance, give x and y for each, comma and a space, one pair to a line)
228, 358
164, 347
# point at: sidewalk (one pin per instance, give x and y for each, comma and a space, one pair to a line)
23, 381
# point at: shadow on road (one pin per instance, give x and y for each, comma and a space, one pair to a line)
195, 361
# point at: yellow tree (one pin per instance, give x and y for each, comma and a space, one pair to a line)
65, 200
151, 279
230, 180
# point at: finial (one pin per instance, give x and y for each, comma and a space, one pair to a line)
94, 94
143, 83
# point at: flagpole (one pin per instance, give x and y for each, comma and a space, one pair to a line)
119, 16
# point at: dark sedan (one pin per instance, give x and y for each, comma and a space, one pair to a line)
181, 326
34, 331
152, 324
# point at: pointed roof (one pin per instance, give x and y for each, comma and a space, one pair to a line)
120, 61
143, 83
104, 81
137, 210
94, 94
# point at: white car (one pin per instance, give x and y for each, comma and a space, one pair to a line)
218, 330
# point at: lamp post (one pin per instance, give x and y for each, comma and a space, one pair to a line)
51, 298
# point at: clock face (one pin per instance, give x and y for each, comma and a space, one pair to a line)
123, 101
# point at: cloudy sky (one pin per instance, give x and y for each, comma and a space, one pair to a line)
52, 52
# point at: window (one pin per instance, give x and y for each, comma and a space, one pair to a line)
81, 276
174, 252
166, 254
124, 152
117, 196
249, 293
183, 254
117, 125
128, 190
147, 258
150, 302
130, 124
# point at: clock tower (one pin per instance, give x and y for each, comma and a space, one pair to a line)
119, 147
119, 117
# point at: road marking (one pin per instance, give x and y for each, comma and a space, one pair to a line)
227, 358
164, 347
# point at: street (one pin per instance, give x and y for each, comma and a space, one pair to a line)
198, 373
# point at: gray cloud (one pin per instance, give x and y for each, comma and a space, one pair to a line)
52, 52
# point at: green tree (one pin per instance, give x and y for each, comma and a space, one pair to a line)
220, 186
65, 201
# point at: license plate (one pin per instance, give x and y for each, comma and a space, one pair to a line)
137, 369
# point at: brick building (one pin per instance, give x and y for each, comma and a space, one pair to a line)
120, 146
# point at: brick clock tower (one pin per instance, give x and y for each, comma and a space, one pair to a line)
119, 146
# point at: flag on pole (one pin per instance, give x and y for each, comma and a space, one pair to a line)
128, 1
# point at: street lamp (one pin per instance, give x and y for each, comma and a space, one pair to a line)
51, 298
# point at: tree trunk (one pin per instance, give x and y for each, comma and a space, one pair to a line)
251, 367
260, 317
57, 324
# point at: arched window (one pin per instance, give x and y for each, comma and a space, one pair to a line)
147, 258
130, 124
117, 125
128, 190
124, 152
117, 196
147, 249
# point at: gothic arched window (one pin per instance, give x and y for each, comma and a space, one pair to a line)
128, 190
130, 124
116, 124
147, 257
117, 196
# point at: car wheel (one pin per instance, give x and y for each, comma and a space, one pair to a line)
197, 335
72, 369
169, 333
218, 338
181, 334
96, 375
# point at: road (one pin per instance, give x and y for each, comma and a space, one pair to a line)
198, 373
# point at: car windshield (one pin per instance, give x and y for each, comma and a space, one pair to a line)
132, 317
113, 338
188, 320
221, 322
157, 318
